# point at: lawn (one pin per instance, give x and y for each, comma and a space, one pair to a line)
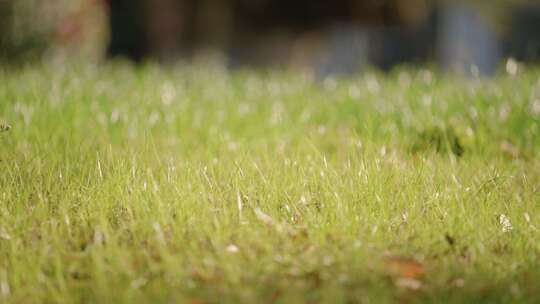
194, 184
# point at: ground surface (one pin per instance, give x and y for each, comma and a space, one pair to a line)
122, 184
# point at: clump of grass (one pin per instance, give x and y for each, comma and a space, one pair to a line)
442, 140
4, 127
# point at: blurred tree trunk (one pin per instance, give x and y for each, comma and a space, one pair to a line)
127, 29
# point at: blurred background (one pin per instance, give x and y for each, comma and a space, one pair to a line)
327, 37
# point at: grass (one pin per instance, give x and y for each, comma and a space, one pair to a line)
123, 184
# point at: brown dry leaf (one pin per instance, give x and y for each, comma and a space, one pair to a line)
404, 267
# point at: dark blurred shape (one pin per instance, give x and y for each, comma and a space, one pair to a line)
328, 37
409, 43
523, 39
18, 39
335, 36
466, 43
127, 28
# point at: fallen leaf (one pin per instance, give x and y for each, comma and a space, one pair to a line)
404, 267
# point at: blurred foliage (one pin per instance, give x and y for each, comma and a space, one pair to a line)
34, 28
30, 29
20, 35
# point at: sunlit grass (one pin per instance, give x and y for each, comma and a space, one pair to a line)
198, 185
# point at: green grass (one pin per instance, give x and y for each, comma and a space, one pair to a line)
193, 184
